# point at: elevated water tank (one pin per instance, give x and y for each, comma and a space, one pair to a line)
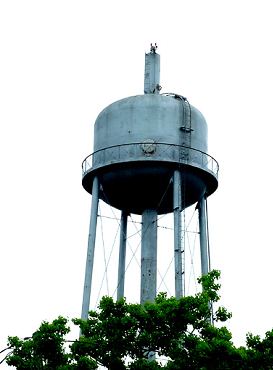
138, 143
150, 157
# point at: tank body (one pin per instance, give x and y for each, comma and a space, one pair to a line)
149, 117
138, 143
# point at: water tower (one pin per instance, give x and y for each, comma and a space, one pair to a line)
150, 158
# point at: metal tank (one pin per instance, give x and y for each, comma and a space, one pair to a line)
150, 157
138, 143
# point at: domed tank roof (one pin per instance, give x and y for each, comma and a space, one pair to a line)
161, 118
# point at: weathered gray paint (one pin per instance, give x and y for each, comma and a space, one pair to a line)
148, 256
152, 73
90, 250
151, 116
122, 255
177, 208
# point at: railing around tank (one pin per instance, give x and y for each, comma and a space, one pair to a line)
150, 151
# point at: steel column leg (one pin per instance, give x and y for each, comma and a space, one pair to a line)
90, 249
203, 236
177, 208
204, 245
148, 256
122, 255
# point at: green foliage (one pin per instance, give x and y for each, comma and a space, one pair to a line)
259, 352
131, 336
44, 350
118, 329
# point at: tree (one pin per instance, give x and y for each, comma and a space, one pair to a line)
121, 336
44, 350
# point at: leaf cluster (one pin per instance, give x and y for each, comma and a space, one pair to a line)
44, 350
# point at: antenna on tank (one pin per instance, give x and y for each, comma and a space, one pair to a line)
153, 48
152, 71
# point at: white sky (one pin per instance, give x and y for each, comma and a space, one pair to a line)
61, 63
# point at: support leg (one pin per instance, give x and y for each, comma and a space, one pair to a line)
177, 208
148, 256
90, 249
204, 245
203, 236
122, 255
